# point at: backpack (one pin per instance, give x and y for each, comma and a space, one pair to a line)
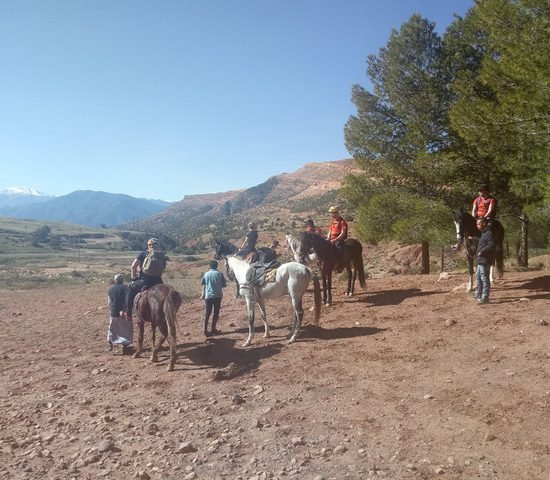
154, 263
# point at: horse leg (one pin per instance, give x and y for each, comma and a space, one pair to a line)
324, 277
329, 288
238, 294
250, 307
261, 304
139, 349
298, 315
351, 280
156, 348
470, 274
491, 278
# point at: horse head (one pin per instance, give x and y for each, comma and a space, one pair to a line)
465, 227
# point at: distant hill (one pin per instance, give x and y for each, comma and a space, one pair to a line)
288, 197
86, 207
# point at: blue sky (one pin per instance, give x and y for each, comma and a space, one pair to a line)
161, 99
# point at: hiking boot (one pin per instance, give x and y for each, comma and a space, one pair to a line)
482, 300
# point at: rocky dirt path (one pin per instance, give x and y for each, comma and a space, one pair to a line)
408, 380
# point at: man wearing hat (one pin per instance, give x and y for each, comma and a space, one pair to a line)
484, 205
142, 280
338, 227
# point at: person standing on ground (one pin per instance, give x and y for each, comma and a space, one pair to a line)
485, 256
120, 329
213, 282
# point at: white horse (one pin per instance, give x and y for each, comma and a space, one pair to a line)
291, 278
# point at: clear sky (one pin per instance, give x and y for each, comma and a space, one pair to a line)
161, 99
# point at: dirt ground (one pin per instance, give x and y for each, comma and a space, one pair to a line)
409, 379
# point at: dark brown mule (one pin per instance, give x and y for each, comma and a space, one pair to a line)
350, 258
158, 305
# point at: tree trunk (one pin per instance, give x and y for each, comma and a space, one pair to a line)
425, 258
442, 258
523, 255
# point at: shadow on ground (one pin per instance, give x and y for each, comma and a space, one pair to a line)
312, 331
392, 297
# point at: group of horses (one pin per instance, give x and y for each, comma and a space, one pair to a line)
159, 304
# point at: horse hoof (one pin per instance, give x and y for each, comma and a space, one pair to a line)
136, 355
291, 339
246, 344
170, 369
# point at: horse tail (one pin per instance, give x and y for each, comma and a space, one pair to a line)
316, 297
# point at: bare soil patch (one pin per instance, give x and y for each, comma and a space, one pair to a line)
409, 379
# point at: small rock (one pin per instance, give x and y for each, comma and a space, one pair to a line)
524, 299
340, 449
258, 389
237, 399
297, 441
439, 471
186, 447
444, 276
428, 396
105, 446
543, 322
142, 475
489, 437
450, 322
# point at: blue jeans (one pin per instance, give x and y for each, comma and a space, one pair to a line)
482, 281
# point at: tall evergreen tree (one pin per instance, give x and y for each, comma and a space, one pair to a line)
400, 133
503, 106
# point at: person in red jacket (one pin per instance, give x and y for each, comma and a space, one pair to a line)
338, 228
484, 205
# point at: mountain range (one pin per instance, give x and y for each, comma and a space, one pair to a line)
281, 200
83, 207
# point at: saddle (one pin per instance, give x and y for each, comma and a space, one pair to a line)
262, 273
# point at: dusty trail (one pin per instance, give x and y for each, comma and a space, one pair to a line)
409, 379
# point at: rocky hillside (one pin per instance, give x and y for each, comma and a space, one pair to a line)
282, 200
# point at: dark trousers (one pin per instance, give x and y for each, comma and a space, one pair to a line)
212, 304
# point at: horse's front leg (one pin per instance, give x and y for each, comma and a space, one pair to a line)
351, 281
250, 307
298, 316
141, 327
238, 293
261, 304
325, 289
470, 274
491, 278
329, 288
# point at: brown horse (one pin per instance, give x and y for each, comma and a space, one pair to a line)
158, 305
350, 258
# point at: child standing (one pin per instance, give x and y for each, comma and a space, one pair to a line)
485, 258
213, 282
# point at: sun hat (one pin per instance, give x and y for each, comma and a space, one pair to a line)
334, 209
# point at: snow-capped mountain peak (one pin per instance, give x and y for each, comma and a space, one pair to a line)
28, 191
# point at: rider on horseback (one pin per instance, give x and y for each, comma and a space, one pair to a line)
249, 244
311, 228
142, 280
484, 205
337, 232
